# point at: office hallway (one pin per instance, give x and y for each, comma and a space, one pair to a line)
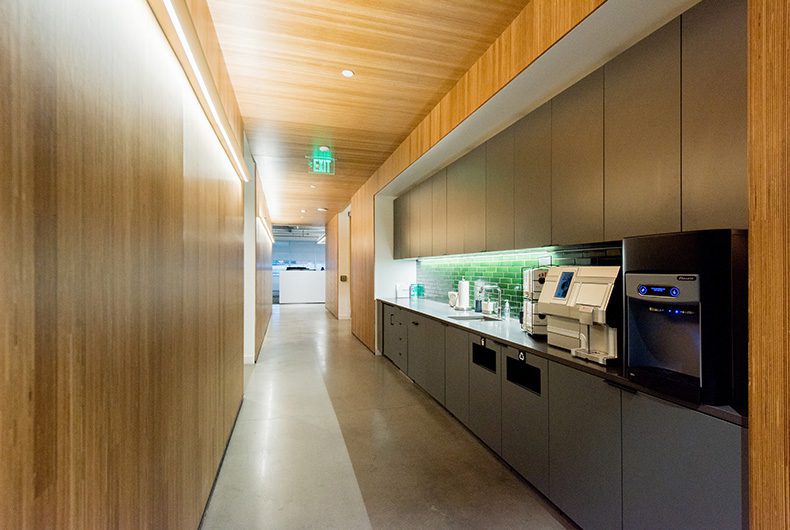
330, 436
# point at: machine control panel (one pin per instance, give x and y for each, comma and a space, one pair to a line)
659, 290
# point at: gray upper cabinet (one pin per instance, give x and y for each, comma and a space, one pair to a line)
577, 163
584, 448
499, 192
456, 370
439, 213
401, 226
532, 179
681, 468
525, 416
642, 137
474, 203
456, 207
425, 229
414, 223
714, 115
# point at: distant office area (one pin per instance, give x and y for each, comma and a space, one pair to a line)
298, 265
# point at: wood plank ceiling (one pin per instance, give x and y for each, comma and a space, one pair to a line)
285, 61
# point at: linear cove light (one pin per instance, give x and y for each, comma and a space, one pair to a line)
171, 11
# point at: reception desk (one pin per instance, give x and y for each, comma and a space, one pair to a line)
302, 287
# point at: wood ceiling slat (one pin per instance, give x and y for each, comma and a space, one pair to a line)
284, 60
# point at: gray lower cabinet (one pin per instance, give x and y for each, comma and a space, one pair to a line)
525, 416
681, 468
585, 448
394, 332
426, 354
456, 373
485, 392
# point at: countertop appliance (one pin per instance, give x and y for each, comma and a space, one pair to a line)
532, 280
685, 314
580, 319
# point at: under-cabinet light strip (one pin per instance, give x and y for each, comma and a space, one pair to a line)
171, 11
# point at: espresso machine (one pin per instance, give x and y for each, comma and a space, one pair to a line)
583, 311
686, 314
532, 280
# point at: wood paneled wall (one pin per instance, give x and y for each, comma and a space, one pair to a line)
769, 263
121, 228
332, 245
209, 43
536, 28
263, 268
363, 304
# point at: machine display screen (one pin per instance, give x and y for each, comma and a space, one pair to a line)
563, 285
658, 290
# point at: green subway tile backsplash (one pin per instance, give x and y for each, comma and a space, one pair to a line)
441, 275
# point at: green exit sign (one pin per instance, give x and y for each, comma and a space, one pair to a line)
323, 165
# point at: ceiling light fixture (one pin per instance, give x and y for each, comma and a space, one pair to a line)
171, 11
312, 186
323, 149
303, 211
347, 73
322, 209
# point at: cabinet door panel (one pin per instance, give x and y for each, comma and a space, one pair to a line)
499, 192
485, 393
414, 223
400, 353
681, 468
577, 162
714, 116
584, 448
439, 212
425, 205
456, 207
457, 373
642, 137
532, 179
525, 416
400, 211
475, 200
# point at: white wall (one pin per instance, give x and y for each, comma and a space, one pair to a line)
343, 264
249, 272
388, 271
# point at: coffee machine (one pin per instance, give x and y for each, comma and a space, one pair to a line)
685, 314
582, 304
533, 322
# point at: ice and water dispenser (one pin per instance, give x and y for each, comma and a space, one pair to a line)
685, 314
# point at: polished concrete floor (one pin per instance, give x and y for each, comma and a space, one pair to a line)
331, 436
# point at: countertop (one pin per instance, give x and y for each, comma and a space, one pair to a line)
509, 332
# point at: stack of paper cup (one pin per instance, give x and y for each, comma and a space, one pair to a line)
463, 295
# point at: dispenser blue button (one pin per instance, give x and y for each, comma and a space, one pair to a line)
642, 290
674, 292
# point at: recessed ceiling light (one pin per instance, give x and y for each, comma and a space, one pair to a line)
313, 186
303, 211
347, 73
322, 209
323, 149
